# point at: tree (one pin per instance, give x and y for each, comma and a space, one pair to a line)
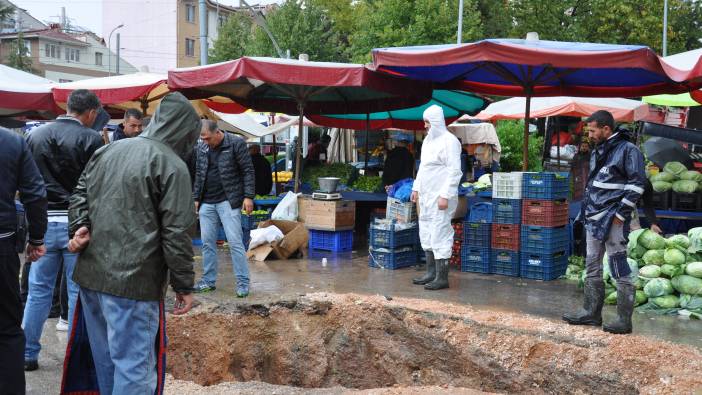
233, 38
496, 18
19, 57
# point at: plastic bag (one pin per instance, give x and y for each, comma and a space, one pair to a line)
266, 235
401, 190
566, 152
286, 210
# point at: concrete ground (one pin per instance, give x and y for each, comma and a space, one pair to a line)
349, 273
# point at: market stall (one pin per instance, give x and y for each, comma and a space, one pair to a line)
22, 93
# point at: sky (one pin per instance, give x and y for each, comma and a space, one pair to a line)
87, 13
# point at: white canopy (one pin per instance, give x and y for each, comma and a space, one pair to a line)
246, 125
22, 92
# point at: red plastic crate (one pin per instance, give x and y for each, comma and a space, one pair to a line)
505, 236
456, 253
550, 213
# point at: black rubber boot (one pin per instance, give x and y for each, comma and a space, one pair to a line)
591, 313
625, 309
441, 280
431, 270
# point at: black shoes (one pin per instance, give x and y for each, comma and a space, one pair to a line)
591, 313
431, 270
625, 309
441, 280
30, 366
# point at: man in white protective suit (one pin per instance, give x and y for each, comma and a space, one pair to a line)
435, 191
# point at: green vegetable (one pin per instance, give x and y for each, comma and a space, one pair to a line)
671, 271
666, 301
661, 186
658, 287
687, 284
695, 236
650, 271
679, 240
673, 256
654, 257
639, 283
611, 298
691, 175
690, 302
694, 269
675, 168
651, 240
662, 176
685, 186
641, 298
368, 184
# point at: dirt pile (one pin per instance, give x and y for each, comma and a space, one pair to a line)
357, 342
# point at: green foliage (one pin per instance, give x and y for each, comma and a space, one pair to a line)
19, 56
511, 135
233, 39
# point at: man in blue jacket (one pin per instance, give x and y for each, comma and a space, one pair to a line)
615, 184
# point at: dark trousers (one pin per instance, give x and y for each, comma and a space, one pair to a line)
11, 334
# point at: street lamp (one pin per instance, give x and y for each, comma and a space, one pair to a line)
109, 49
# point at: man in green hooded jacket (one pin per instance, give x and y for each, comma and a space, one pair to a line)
129, 217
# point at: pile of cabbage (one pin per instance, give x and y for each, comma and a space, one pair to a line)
677, 177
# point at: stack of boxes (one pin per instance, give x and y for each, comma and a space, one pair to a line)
506, 223
544, 232
330, 223
475, 252
393, 242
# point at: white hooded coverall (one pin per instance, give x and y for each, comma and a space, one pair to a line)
438, 176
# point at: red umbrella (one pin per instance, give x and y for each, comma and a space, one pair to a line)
299, 88
22, 92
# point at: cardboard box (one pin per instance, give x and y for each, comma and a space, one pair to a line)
295, 239
329, 215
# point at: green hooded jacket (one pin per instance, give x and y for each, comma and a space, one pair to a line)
135, 197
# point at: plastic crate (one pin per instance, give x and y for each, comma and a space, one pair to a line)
392, 260
331, 241
504, 262
543, 266
476, 234
505, 236
475, 259
543, 240
401, 211
507, 185
457, 230
480, 212
391, 238
662, 200
251, 221
686, 201
506, 211
546, 186
455, 259
545, 212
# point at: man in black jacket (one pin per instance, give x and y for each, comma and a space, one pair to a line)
398, 165
18, 172
61, 150
262, 169
224, 185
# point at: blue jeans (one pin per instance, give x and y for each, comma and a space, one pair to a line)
210, 217
122, 334
42, 278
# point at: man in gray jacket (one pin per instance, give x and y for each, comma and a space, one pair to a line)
224, 186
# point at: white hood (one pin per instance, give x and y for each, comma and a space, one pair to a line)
435, 116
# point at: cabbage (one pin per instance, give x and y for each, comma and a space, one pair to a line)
662, 176
641, 297
695, 236
634, 266
675, 168
679, 240
685, 186
666, 301
654, 257
687, 284
661, 186
636, 252
691, 175
690, 302
673, 256
650, 271
611, 298
639, 283
658, 287
694, 269
671, 271
651, 240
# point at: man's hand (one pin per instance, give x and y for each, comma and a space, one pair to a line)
80, 240
197, 207
387, 188
443, 203
414, 196
657, 229
33, 253
248, 205
183, 304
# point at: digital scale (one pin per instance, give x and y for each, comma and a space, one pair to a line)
326, 196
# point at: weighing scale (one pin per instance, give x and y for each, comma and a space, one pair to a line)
326, 196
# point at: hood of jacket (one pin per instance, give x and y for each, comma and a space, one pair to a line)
435, 116
175, 123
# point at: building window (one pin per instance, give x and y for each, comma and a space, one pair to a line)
189, 47
98, 58
52, 51
47, 48
190, 13
68, 54
77, 51
222, 20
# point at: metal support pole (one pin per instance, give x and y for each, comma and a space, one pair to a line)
459, 34
117, 63
365, 165
203, 32
298, 159
525, 165
665, 28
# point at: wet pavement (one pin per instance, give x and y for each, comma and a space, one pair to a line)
349, 273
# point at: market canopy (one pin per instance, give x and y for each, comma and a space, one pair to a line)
454, 102
623, 110
22, 92
246, 125
684, 60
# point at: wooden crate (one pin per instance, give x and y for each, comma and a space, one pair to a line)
329, 215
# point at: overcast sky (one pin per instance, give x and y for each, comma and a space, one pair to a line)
88, 13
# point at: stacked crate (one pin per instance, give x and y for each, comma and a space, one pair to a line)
457, 244
506, 222
475, 251
393, 245
330, 223
544, 231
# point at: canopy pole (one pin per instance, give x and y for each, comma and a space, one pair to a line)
298, 151
525, 165
275, 160
144, 105
365, 165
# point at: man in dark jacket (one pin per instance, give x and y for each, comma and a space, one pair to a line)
262, 170
18, 172
132, 125
224, 185
130, 222
61, 150
615, 184
398, 165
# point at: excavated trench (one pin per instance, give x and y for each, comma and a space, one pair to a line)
358, 344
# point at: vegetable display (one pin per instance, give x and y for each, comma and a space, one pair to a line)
368, 184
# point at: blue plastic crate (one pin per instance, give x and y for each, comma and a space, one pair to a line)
475, 259
392, 260
546, 186
331, 241
504, 262
543, 266
506, 211
480, 212
251, 221
543, 239
391, 238
477, 234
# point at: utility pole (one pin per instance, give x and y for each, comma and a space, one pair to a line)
665, 28
459, 34
203, 32
261, 21
117, 66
